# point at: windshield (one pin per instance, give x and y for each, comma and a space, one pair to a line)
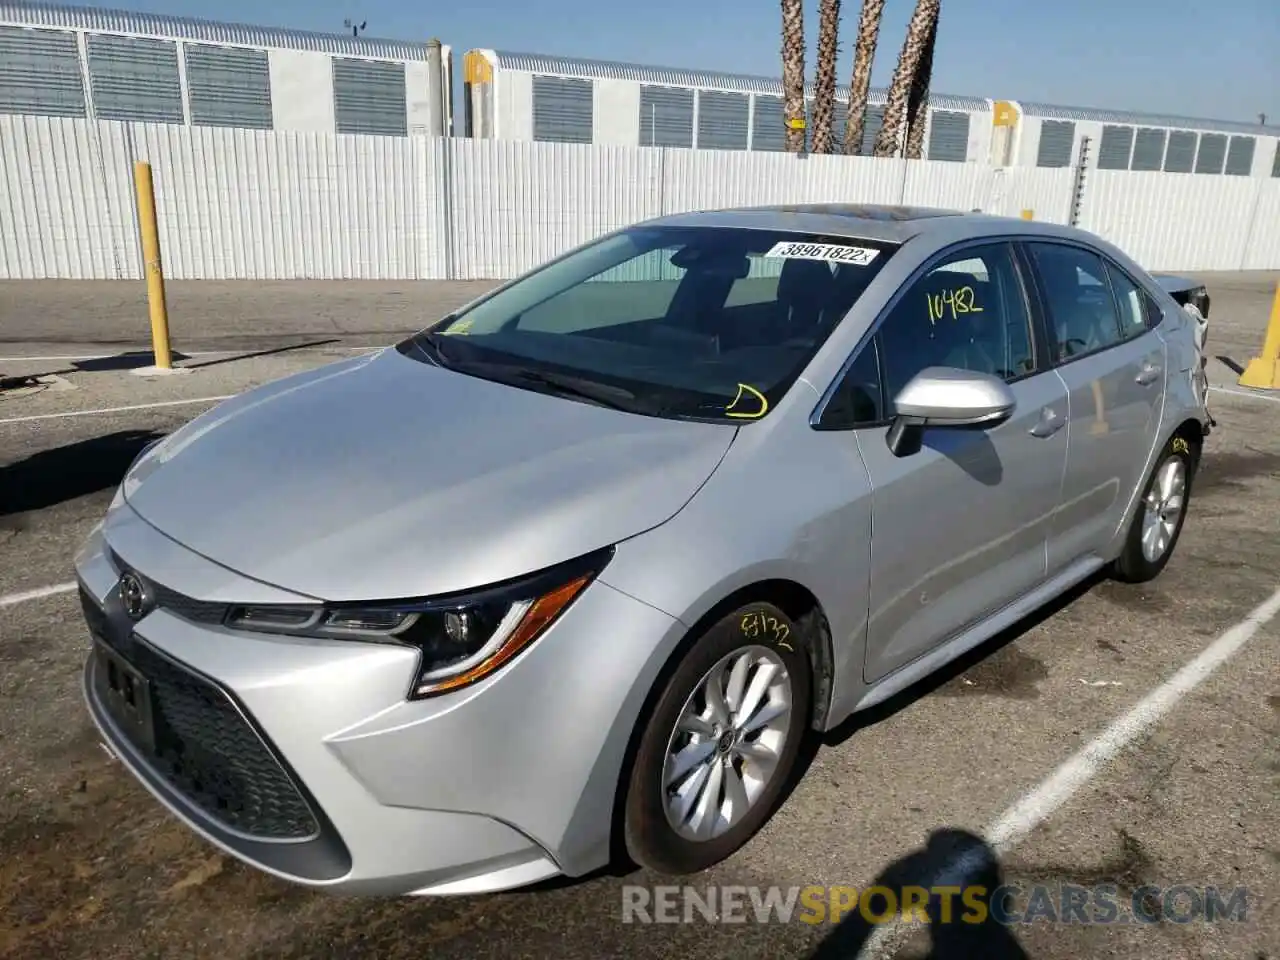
705, 323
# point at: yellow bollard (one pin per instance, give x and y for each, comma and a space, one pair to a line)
151, 263
1263, 371
1028, 214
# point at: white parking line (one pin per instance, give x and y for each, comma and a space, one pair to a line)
1036, 806
1245, 393
135, 406
39, 593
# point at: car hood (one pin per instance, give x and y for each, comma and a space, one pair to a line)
382, 477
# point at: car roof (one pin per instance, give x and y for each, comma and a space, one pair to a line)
886, 223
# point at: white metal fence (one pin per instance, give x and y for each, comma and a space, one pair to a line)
249, 204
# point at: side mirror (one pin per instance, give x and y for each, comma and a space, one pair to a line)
947, 397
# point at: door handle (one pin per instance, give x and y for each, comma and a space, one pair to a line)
1051, 421
1148, 375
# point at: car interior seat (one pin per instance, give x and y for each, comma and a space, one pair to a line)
849, 282
805, 289
912, 339
1078, 325
960, 339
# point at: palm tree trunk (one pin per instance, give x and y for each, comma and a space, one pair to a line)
824, 97
793, 72
864, 54
918, 101
895, 108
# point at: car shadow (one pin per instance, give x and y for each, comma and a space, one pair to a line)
944, 675
930, 684
64, 473
961, 925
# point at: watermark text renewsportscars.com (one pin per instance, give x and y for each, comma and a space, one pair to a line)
1008, 904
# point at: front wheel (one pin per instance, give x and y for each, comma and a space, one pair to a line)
720, 744
1157, 524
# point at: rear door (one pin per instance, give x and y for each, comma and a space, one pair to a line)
960, 527
1113, 366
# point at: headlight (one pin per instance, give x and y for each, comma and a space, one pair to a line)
461, 639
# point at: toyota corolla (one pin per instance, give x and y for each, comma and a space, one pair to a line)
574, 571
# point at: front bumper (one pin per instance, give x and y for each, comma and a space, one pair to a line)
303, 758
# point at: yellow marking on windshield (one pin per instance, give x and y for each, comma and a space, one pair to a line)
755, 415
959, 301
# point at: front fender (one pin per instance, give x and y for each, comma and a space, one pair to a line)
794, 505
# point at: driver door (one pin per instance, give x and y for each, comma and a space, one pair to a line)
960, 527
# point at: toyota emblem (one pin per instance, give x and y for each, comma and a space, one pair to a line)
133, 596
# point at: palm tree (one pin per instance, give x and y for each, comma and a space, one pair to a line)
918, 100
864, 54
895, 107
824, 96
793, 72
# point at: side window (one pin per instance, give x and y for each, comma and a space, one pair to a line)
1082, 310
1155, 313
1130, 302
968, 312
858, 402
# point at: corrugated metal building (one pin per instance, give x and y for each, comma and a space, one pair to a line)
523, 96
67, 61
1050, 136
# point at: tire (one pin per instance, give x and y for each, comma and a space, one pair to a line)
1135, 564
757, 634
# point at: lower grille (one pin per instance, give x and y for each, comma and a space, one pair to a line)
205, 749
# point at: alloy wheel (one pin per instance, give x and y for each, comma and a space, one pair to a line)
726, 746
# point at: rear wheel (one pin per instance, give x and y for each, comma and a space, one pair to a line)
1157, 524
721, 743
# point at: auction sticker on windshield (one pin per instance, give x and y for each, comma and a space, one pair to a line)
830, 252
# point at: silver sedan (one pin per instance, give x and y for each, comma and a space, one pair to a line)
574, 571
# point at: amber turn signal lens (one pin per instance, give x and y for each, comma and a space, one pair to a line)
540, 615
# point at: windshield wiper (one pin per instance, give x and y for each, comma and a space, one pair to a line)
431, 343
616, 398
601, 394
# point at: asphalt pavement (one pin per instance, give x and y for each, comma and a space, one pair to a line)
91, 866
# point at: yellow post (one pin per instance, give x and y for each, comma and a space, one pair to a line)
151, 263
1028, 214
1263, 371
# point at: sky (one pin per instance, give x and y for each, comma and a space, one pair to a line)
1218, 60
